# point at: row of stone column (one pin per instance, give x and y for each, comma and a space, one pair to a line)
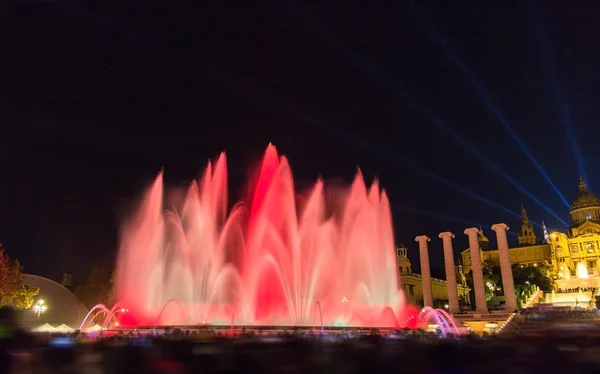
476, 267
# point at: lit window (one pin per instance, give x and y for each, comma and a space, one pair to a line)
590, 247
588, 215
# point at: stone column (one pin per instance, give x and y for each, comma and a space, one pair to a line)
476, 268
453, 305
508, 283
425, 270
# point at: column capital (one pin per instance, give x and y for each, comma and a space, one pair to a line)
500, 226
446, 234
472, 231
422, 238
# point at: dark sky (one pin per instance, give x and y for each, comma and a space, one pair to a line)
99, 95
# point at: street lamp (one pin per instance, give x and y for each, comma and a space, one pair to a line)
39, 308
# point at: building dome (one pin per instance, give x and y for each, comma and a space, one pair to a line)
63, 306
585, 198
586, 205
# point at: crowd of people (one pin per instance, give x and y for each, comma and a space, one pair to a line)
577, 289
295, 351
558, 314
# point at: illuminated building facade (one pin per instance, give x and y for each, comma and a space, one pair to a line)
528, 253
412, 283
574, 255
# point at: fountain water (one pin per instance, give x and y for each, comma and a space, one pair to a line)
118, 307
172, 301
277, 258
234, 313
101, 309
440, 317
318, 305
581, 271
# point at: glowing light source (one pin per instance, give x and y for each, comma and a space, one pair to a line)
39, 308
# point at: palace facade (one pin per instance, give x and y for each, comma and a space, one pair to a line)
529, 252
412, 283
574, 254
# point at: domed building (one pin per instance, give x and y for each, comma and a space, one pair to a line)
576, 254
62, 306
585, 207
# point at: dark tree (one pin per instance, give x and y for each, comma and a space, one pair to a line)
97, 288
524, 277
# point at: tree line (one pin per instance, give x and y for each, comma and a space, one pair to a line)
13, 291
96, 288
524, 278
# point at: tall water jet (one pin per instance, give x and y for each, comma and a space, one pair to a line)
268, 261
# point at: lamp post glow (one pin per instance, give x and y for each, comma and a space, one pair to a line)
39, 308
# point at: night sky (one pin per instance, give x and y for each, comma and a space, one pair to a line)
451, 104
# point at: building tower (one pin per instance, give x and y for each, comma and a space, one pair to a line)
402, 261
66, 280
526, 234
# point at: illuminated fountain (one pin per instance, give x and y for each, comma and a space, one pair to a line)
269, 261
439, 320
93, 314
581, 271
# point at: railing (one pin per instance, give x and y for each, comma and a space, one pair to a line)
508, 326
516, 318
533, 298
